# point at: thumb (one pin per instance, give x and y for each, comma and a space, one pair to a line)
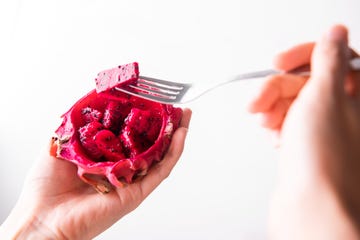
330, 61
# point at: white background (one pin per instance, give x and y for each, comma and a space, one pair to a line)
50, 52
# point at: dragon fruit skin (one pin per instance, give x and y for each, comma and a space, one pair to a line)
120, 168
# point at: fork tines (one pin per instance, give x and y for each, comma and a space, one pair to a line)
156, 90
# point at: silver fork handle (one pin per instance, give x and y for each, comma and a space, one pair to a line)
302, 71
257, 74
244, 76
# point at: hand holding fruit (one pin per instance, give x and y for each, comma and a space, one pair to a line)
56, 204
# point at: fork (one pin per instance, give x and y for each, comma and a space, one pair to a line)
168, 92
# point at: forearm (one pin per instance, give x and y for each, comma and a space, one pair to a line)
312, 214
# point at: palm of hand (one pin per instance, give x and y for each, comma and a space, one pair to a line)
72, 209
74, 205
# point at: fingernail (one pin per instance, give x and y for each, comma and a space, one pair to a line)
338, 34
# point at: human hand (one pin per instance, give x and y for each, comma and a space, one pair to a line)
56, 204
279, 91
317, 122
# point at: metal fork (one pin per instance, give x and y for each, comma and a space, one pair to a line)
168, 92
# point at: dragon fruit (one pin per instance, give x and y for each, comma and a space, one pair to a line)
113, 137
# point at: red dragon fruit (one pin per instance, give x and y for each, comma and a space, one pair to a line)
113, 137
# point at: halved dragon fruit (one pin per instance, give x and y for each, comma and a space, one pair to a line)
113, 137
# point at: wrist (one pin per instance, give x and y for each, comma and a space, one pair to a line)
31, 229
24, 223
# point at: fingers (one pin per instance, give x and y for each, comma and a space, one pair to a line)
185, 120
177, 143
294, 57
275, 98
278, 92
274, 89
286, 86
330, 61
162, 170
274, 118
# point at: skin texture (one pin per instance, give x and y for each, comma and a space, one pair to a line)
56, 204
317, 124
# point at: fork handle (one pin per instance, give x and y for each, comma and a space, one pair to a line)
257, 74
302, 71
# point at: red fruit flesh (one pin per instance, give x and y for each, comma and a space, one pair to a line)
140, 131
87, 135
91, 115
109, 145
114, 115
113, 137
